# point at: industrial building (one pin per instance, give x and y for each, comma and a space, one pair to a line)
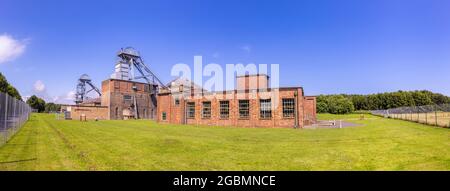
255, 105
121, 96
252, 104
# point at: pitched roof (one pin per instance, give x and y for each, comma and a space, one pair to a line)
187, 84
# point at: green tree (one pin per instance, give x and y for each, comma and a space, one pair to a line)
14, 93
421, 98
3, 84
360, 102
336, 104
36, 103
52, 107
340, 105
322, 106
437, 98
389, 100
7, 88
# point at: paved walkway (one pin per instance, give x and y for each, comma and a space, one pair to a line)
332, 124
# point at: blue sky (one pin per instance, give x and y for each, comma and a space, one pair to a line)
347, 46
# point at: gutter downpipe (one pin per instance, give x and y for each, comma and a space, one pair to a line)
136, 111
296, 109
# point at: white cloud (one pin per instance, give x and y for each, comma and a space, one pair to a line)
39, 86
246, 48
70, 95
11, 48
40, 90
69, 98
55, 98
26, 97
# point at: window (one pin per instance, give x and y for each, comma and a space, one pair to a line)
206, 111
127, 97
288, 107
190, 107
265, 108
224, 109
177, 102
164, 116
134, 87
244, 109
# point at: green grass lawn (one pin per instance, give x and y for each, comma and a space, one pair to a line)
45, 143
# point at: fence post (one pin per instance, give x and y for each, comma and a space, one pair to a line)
21, 114
435, 115
6, 119
418, 115
28, 113
14, 116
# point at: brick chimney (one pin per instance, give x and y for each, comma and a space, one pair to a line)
255, 81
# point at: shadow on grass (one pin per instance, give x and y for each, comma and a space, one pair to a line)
16, 161
19, 144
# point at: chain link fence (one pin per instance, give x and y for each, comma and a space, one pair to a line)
13, 114
438, 115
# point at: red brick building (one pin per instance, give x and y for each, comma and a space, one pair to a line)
128, 99
121, 99
252, 104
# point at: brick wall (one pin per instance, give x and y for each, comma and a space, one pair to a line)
119, 96
176, 113
310, 110
165, 107
246, 82
91, 112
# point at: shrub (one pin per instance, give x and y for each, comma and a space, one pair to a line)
335, 104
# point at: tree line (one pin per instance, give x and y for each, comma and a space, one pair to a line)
41, 106
35, 102
348, 103
7, 88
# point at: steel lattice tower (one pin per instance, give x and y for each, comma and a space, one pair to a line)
81, 93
